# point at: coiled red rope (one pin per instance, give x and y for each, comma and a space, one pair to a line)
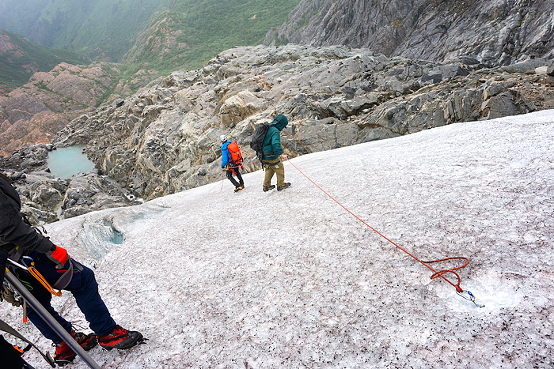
436, 273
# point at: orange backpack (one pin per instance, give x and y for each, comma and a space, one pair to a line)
234, 151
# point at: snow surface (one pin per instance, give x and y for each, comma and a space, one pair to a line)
216, 279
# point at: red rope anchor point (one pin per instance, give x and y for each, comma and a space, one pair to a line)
436, 274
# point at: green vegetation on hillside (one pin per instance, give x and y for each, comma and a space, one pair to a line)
151, 35
191, 32
102, 29
19, 64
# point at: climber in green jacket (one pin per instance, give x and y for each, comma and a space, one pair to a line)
274, 154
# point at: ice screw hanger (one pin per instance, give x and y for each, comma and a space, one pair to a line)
469, 297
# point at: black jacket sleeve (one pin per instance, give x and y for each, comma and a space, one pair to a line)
13, 230
3, 258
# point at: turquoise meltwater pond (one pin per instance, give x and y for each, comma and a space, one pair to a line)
67, 161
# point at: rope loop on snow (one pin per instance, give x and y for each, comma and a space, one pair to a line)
451, 270
436, 274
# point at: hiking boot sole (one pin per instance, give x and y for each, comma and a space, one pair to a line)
92, 344
64, 362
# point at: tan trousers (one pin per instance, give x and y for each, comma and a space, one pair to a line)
278, 169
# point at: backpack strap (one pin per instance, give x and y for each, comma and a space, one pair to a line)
16, 253
67, 276
8, 329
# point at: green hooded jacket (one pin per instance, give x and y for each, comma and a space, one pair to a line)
272, 142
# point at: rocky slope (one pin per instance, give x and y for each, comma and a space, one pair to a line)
46, 198
33, 113
20, 58
165, 138
498, 32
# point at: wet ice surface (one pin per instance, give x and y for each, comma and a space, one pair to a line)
290, 279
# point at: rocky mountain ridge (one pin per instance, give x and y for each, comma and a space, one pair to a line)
497, 32
165, 138
20, 58
33, 113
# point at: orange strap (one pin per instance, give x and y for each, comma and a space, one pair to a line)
35, 273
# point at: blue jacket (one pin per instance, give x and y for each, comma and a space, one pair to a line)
272, 141
225, 154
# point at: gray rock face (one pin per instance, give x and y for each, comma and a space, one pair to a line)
165, 138
33, 113
46, 198
496, 32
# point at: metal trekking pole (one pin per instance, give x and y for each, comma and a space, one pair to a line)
45, 315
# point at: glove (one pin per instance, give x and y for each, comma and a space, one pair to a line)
58, 255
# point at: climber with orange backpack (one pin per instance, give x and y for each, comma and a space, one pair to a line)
231, 160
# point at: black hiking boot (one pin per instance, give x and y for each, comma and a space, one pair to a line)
269, 188
286, 185
237, 189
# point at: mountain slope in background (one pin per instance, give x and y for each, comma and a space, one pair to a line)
294, 281
102, 29
498, 32
20, 58
35, 112
191, 32
184, 36
144, 34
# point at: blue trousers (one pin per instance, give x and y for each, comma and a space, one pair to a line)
84, 288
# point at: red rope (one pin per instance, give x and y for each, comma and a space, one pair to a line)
221, 189
436, 274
